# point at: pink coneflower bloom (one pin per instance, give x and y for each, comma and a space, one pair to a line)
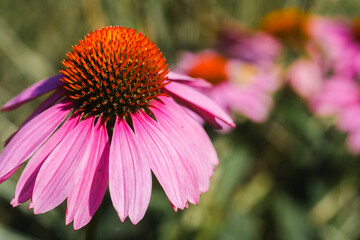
339, 97
339, 45
327, 94
237, 86
313, 73
340, 41
116, 114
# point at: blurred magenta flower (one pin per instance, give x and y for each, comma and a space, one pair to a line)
339, 46
340, 97
237, 86
116, 114
310, 73
327, 94
340, 42
328, 78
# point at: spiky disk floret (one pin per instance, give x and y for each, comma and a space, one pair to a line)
114, 71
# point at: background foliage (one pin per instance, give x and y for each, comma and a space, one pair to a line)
290, 178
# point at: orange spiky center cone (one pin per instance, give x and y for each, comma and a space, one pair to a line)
114, 71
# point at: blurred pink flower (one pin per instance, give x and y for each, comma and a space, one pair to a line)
237, 86
339, 95
315, 74
112, 118
340, 42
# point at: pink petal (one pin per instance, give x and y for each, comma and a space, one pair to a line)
175, 150
129, 174
200, 103
194, 115
163, 158
25, 185
52, 99
30, 137
43, 106
252, 103
63, 168
194, 82
88, 193
32, 92
190, 140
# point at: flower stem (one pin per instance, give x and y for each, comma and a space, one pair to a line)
90, 231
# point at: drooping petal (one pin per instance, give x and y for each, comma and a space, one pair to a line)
30, 137
25, 185
63, 168
32, 92
195, 82
88, 193
52, 99
190, 139
199, 103
129, 174
42, 107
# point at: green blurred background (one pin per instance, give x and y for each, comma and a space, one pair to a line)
290, 178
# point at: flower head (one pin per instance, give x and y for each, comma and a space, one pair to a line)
113, 72
236, 85
115, 115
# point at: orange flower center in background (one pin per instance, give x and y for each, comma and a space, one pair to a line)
288, 25
211, 67
114, 71
356, 28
